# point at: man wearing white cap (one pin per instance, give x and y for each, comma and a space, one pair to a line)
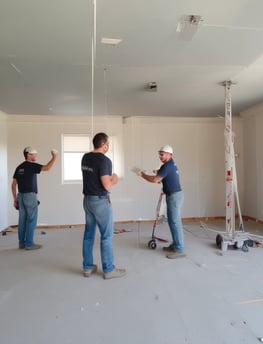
25, 179
169, 176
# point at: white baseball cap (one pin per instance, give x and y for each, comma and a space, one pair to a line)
166, 149
30, 150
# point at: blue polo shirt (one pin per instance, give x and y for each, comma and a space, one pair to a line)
170, 177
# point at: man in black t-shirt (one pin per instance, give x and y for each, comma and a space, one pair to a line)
25, 180
98, 179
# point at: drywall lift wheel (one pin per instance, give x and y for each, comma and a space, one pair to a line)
152, 244
244, 248
219, 240
249, 243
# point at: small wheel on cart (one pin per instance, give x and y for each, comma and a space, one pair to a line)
244, 248
249, 243
219, 240
152, 244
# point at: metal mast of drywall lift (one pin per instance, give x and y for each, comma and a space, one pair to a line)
232, 236
229, 165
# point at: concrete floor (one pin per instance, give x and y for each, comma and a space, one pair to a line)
207, 297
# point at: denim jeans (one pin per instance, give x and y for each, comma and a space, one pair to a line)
28, 211
174, 204
98, 211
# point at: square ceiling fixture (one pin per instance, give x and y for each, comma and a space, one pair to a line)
111, 41
152, 86
188, 25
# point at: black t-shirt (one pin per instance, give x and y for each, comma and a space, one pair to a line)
94, 166
26, 176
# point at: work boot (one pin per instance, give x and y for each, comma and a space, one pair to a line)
175, 255
33, 247
169, 248
88, 272
114, 273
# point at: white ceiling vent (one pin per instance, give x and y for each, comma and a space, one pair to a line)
152, 86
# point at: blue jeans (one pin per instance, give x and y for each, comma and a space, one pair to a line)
174, 204
98, 211
27, 222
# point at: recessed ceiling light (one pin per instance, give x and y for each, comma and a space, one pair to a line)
111, 41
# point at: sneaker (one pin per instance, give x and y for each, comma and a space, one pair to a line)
114, 273
88, 272
169, 248
33, 247
175, 255
21, 247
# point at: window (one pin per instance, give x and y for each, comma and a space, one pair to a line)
74, 146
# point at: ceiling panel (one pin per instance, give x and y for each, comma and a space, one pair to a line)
46, 57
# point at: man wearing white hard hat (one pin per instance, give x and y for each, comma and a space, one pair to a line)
168, 175
25, 200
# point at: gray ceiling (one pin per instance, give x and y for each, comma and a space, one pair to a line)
46, 57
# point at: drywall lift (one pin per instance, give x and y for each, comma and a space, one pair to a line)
237, 238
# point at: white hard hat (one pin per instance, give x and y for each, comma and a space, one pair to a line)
30, 150
166, 149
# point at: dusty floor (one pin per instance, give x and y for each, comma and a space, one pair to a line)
208, 297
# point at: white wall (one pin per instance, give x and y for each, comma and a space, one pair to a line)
199, 153
4, 188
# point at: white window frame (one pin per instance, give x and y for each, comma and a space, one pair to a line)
115, 153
